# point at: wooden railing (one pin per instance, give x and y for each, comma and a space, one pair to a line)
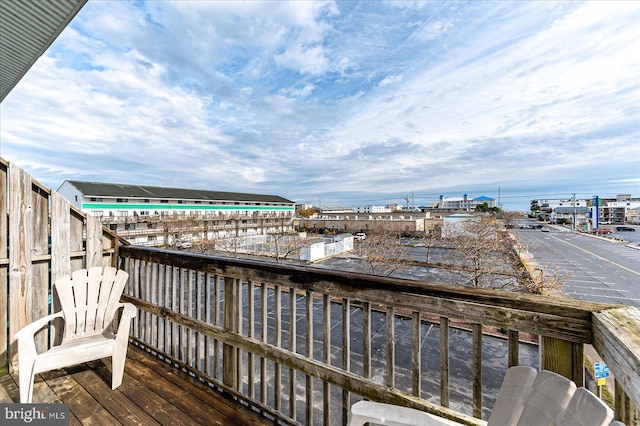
303, 344
42, 237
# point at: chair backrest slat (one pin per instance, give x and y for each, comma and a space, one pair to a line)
88, 300
105, 310
547, 400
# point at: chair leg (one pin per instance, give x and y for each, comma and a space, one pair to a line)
25, 379
117, 367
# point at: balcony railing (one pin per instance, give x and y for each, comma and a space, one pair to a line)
302, 344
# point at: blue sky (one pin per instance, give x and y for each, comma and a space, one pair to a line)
339, 103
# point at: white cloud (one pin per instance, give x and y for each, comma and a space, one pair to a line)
303, 98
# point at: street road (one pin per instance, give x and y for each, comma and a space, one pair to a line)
601, 269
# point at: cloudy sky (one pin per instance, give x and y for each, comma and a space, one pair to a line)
338, 103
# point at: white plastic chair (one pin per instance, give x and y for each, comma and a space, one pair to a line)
89, 300
586, 409
547, 400
516, 387
392, 415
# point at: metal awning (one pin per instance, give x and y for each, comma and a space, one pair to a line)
27, 29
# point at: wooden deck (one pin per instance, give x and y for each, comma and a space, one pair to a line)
152, 393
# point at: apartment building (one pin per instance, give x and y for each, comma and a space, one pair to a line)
464, 202
155, 216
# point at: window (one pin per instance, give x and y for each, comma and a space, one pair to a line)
96, 213
96, 199
197, 202
129, 226
113, 226
152, 238
122, 200
164, 201
145, 200
182, 202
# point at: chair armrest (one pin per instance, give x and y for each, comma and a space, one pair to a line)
28, 331
25, 337
129, 311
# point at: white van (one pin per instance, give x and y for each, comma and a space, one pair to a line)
360, 236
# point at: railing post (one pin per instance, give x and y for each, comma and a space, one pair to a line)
563, 357
229, 353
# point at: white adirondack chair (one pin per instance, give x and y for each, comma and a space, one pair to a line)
526, 398
89, 300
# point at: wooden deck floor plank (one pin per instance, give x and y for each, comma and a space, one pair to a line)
120, 407
10, 388
88, 411
228, 408
9, 385
158, 408
154, 376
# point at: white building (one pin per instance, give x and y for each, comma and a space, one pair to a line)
149, 215
371, 209
465, 203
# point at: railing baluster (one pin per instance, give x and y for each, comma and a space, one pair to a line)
514, 355
278, 343
477, 370
189, 333
263, 361
250, 335
444, 361
199, 315
416, 368
366, 340
238, 328
309, 379
216, 321
293, 348
326, 355
175, 306
346, 353
207, 318
391, 354
229, 358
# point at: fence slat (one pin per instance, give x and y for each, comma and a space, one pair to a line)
4, 267
20, 236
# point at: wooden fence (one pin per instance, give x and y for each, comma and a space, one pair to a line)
42, 237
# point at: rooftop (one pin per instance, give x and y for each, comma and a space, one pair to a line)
101, 189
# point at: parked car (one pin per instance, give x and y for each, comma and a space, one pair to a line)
361, 236
624, 228
602, 231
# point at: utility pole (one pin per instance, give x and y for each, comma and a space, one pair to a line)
573, 222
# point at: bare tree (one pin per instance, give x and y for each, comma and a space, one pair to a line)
383, 253
483, 249
429, 240
509, 218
